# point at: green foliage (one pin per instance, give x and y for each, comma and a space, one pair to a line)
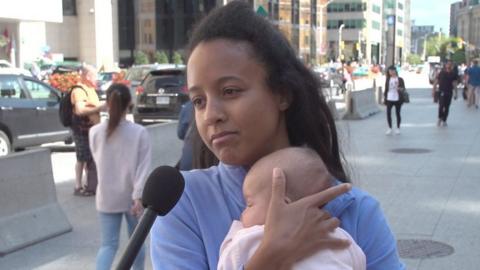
141, 58
447, 48
161, 57
414, 59
177, 58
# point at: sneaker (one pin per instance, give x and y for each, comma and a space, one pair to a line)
389, 131
397, 131
444, 124
439, 122
476, 107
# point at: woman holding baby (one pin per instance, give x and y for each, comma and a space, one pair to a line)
252, 97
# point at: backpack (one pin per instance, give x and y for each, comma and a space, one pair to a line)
65, 109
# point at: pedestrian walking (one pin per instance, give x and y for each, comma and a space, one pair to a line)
392, 96
473, 81
121, 150
266, 101
86, 113
445, 84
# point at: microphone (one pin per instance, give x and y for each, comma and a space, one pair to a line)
162, 190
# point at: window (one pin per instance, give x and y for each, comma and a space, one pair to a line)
400, 19
10, 88
400, 6
399, 32
69, 7
376, 25
40, 91
376, 9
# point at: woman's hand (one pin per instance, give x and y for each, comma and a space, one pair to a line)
137, 208
297, 230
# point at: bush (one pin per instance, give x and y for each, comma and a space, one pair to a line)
141, 58
177, 58
161, 57
414, 59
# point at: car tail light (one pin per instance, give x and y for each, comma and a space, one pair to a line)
139, 90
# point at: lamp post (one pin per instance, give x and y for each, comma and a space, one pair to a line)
340, 42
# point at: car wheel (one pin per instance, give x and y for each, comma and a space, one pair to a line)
5, 146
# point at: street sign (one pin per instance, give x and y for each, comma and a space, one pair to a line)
391, 19
262, 12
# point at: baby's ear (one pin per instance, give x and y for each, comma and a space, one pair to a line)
288, 200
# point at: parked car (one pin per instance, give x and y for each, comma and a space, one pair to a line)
160, 95
28, 112
104, 80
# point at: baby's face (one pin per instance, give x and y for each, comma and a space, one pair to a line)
257, 192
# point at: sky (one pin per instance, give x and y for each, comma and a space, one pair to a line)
432, 12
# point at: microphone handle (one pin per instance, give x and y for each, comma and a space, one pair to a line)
136, 241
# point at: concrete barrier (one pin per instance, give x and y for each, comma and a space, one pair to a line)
166, 147
360, 104
29, 210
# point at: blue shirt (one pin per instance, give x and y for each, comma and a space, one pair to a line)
473, 75
189, 237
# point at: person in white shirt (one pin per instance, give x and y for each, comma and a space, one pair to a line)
306, 174
392, 97
122, 153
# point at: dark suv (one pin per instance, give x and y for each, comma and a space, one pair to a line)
160, 95
28, 112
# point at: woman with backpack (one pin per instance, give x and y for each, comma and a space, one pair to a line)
121, 149
392, 97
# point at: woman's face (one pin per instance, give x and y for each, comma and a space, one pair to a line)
392, 73
238, 117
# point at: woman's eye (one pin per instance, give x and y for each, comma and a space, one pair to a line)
230, 91
197, 102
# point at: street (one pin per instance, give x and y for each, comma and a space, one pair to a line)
426, 179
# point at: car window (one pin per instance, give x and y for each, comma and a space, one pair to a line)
157, 82
137, 74
10, 88
105, 76
39, 91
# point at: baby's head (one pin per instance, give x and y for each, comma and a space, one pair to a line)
305, 172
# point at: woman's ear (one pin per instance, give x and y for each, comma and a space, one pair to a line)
284, 100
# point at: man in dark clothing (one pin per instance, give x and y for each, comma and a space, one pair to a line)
446, 82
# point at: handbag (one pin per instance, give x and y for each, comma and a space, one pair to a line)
404, 96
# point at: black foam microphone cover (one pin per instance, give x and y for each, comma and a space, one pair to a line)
163, 189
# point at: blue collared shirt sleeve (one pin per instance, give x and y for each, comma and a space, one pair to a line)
175, 240
375, 237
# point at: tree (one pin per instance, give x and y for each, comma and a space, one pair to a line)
177, 58
161, 57
141, 58
414, 59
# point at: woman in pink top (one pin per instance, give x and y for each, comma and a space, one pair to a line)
121, 150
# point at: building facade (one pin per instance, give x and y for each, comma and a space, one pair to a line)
23, 31
467, 21
396, 18
467, 25
420, 33
303, 22
454, 8
356, 28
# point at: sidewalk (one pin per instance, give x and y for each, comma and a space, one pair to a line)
432, 195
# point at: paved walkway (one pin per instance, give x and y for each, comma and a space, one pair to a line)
432, 196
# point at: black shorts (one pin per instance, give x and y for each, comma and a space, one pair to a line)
82, 147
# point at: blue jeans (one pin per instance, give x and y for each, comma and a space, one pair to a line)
110, 228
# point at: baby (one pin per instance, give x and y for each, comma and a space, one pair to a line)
306, 175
